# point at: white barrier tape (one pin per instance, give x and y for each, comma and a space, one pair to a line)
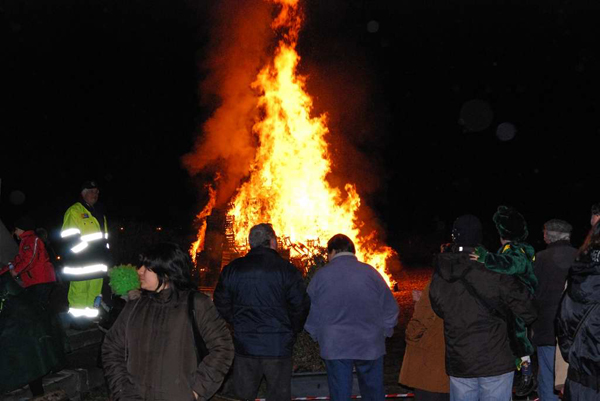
354, 397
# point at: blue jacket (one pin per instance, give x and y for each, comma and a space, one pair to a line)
263, 296
352, 310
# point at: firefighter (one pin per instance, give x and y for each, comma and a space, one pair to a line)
85, 236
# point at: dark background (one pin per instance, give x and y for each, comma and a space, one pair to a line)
110, 90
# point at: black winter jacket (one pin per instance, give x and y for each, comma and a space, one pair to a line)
551, 267
264, 297
474, 303
578, 322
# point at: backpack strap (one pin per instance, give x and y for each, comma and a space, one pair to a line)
199, 344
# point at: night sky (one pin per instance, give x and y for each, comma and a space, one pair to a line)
415, 92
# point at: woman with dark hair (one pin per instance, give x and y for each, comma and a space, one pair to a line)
150, 352
578, 322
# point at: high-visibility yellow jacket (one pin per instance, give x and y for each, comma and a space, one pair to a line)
86, 256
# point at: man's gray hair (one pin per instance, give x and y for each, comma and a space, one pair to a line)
557, 229
261, 235
553, 236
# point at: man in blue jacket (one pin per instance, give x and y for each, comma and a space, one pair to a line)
264, 298
352, 312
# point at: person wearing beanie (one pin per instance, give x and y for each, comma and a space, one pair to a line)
86, 257
473, 302
31, 267
551, 268
423, 366
515, 257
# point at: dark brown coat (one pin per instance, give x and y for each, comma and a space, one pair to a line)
149, 353
423, 366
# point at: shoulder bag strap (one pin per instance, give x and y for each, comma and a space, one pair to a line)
199, 344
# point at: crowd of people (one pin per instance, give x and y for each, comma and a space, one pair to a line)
480, 326
489, 316
170, 342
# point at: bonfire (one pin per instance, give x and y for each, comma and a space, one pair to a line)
286, 184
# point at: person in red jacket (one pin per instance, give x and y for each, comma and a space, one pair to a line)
31, 267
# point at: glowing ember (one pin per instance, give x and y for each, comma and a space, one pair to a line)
287, 185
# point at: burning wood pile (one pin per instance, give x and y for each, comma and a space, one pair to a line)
286, 179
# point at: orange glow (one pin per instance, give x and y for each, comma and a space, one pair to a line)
198, 245
287, 186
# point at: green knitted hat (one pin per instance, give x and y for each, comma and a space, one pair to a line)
511, 224
123, 278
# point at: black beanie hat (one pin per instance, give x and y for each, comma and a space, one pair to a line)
25, 223
466, 230
89, 185
511, 224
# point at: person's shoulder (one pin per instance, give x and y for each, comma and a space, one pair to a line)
201, 300
75, 207
543, 254
478, 271
518, 249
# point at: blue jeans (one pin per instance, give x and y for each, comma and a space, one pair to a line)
546, 356
370, 378
492, 388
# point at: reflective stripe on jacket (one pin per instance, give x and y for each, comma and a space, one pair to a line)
86, 244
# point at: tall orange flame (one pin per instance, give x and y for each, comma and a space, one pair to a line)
198, 245
287, 185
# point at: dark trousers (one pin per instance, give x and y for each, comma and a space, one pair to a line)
36, 387
248, 373
370, 378
41, 292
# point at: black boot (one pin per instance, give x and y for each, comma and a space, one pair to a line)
526, 383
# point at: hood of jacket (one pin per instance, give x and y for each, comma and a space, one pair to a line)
452, 266
584, 286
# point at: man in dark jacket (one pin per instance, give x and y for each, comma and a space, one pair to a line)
551, 267
264, 298
479, 308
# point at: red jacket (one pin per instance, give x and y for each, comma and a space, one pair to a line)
32, 263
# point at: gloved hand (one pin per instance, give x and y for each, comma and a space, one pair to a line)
479, 254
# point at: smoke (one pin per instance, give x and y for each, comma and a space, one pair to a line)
240, 35
339, 77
